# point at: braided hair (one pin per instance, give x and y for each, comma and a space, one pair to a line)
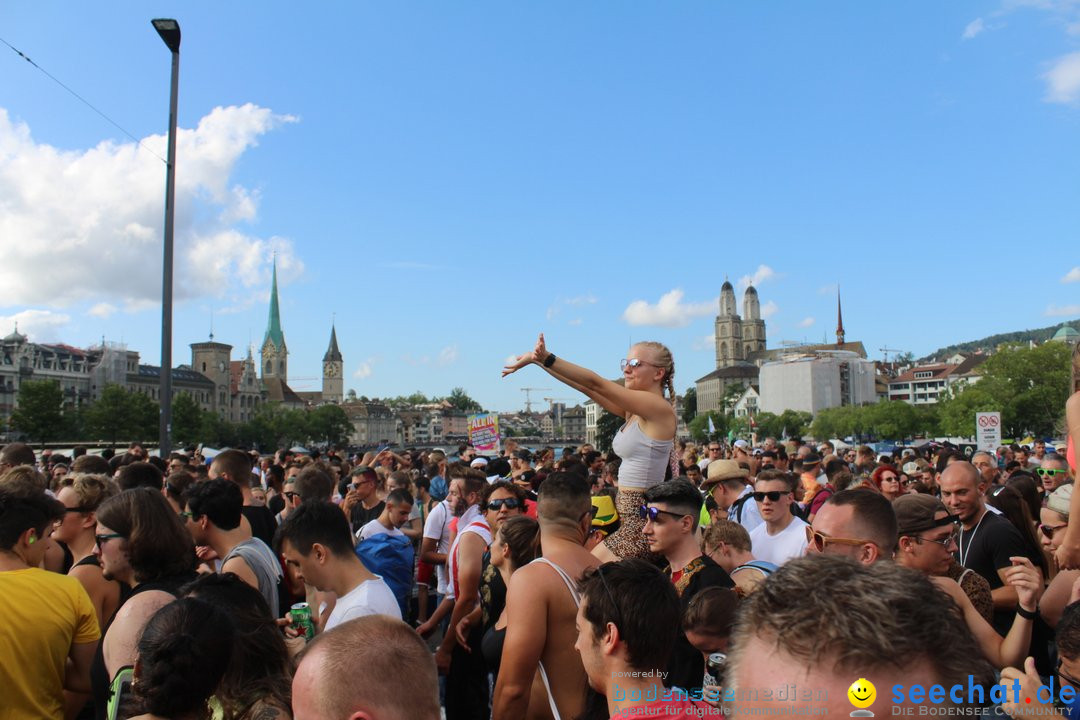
666, 362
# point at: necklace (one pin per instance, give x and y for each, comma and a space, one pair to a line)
971, 539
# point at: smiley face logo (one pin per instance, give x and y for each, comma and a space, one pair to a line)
862, 694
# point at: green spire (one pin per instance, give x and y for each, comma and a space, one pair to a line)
273, 327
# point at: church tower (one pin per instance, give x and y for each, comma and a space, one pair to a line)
839, 320
274, 354
753, 331
728, 329
332, 367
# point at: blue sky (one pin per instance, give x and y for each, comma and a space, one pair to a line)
449, 179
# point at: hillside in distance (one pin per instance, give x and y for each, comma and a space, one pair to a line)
990, 343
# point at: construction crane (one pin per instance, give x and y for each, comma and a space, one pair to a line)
888, 350
528, 396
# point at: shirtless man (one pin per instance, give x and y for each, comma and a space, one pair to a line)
541, 611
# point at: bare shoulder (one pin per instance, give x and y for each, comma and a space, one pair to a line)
140, 607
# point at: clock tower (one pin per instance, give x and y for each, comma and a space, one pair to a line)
274, 355
333, 366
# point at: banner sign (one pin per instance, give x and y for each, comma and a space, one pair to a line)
484, 433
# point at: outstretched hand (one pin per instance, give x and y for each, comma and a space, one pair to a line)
528, 358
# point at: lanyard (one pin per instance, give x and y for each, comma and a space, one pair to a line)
964, 555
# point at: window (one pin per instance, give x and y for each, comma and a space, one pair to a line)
924, 374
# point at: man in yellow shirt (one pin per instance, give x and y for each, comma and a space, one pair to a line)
46, 620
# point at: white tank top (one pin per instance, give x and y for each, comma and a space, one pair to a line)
644, 460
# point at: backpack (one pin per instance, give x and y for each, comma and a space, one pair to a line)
391, 558
737, 506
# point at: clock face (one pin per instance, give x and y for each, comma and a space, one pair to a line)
331, 371
221, 366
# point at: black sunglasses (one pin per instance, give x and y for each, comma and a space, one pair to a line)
1049, 530
651, 513
291, 495
773, 495
508, 503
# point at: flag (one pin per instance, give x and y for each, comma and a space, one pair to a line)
712, 428
752, 423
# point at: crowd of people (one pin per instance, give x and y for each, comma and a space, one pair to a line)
659, 578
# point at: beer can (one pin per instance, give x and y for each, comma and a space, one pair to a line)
300, 614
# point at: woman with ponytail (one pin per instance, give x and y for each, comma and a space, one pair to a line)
183, 653
646, 401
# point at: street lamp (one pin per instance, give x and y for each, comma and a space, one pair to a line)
169, 30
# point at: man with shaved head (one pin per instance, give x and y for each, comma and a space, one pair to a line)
859, 524
986, 540
406, 688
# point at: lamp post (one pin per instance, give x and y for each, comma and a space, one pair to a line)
169, 30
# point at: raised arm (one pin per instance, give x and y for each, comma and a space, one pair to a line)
613, 397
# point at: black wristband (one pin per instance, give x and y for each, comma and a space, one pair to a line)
550, 360
1027, 614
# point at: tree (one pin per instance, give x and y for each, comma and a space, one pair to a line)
186, 419
39, 412
329, 424
121, 415
689, 405
606, 427
699, 426
460, 400
794, 423
1028, 386
732, 393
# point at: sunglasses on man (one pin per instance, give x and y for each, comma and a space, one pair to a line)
646, 512
772, 495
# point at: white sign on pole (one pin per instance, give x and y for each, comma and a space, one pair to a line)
988, 430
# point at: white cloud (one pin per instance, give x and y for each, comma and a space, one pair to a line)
1063, 79
37, 325
102, 210
828, 289
806, 322
1072, 276
102, 310
763, 273
581, 300
769, 309
705, 342
670, 311
556, 307
447, 356
1062, 311
365, 370
973, 28
575, 322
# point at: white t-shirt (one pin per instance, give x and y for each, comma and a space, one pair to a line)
377, 528
368, 598
779, 548
437, 527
